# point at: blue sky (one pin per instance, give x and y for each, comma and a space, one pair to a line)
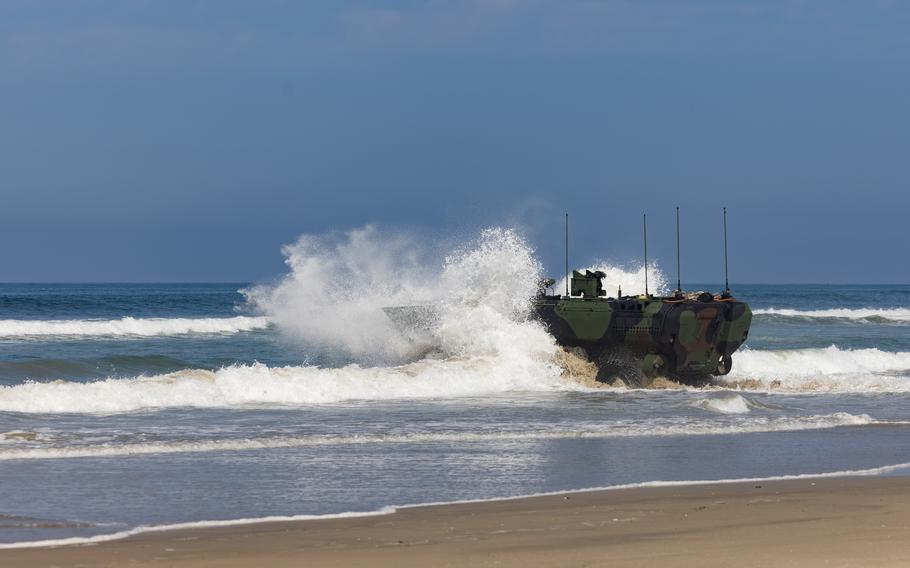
189, 140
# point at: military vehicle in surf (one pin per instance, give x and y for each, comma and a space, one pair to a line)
686, 336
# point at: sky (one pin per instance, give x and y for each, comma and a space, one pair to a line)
148, 141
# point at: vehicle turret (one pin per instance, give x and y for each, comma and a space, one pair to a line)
588, 285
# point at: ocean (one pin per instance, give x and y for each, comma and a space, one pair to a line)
146, 405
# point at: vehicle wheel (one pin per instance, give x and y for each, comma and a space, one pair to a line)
619, 364
724, 365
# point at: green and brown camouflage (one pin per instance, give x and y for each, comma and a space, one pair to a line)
688, 337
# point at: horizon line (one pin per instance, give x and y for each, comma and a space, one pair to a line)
249, 282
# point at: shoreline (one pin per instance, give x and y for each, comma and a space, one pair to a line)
392, 509
832, 520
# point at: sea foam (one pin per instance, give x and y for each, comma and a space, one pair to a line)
506, 370
29, 450
337, 287
258, 384
874, 315
823, 369
129, 326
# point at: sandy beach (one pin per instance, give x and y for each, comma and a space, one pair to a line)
806, 522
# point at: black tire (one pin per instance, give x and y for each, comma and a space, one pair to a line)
724, 366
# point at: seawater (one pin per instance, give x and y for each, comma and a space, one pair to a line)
131, 405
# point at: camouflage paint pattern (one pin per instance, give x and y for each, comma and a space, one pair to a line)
689, 338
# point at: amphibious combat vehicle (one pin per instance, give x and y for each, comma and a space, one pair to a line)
686, 336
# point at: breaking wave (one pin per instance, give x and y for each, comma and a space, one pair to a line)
338, 286
869, 315
129, 326
825, 369
259, 384
806, 370
483, 342
614, 429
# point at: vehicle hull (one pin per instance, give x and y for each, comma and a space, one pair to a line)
687, 339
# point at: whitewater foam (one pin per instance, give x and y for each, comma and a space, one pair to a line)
260, 385
862, 314
337, 287
823, 369
129, 326
615, 429
79, 540
512, 369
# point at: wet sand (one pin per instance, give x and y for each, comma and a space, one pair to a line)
828, 522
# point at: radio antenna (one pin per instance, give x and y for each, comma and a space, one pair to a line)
567, 254
678, 277
726, 264
644, 220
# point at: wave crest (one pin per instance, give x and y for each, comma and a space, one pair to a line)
129, 326
337, 287
259, 384
824, 369
871, 315
806, 370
